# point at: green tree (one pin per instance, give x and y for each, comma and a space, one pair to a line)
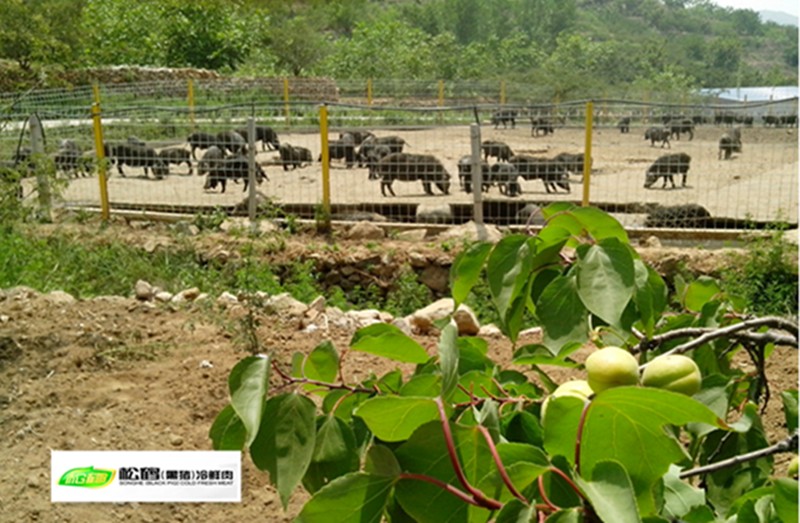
43, 32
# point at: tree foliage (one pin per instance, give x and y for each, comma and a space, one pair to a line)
463, 439
617, 41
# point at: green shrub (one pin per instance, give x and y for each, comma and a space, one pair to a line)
765, 275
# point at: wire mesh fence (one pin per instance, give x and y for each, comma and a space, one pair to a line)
665, 164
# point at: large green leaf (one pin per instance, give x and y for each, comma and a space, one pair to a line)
448, 358
390, 342
227, 432
395, 418
700, 292
426, 453
600, 225
650, 296
785, 498
606, 279
354, 498
248, 383
561, 423
322, 364
285, 444
610, 493
562, 314
466, 270
515, 512
626, 424
680, 497
508, 271
335, 453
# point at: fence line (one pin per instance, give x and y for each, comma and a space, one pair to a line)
754, 181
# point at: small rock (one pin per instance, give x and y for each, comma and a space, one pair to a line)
205, 364
422, 320
467, 321
33, 482
434, 213
317, 305
143, 290
404, 325
490, 331
472, 231
163, 296
226, 298
175, 440
4, 318
186, 295
414, 235
285, 303
365, 231
436, 278
650, 241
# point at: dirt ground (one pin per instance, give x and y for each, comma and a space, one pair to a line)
760, 183
114, 373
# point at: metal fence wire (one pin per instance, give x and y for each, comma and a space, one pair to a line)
650, 164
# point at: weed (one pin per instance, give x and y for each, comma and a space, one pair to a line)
765, 275
407, 294
210, 221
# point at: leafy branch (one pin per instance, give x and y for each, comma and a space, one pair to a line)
789, 444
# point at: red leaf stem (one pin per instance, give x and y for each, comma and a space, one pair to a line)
477, 495
500, 467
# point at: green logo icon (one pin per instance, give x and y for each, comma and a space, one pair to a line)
87, 477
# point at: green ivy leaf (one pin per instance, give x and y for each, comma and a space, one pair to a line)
562, 314
395, 418
285, 444
322, 364
466, 270
611, 493
227, 432
382, 339
448, 358
248, 383
626, 424
606, 279
354, 498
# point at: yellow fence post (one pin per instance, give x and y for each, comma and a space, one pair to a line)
325, 226
190, 96
286, 100
369, 91
587, 154
101, 160
441, 101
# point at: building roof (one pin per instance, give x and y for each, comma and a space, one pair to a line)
754, 94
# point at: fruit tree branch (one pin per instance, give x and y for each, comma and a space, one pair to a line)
787, 445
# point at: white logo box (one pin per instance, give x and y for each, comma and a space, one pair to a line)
145, 476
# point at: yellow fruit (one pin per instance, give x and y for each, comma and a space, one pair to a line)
576, 388
611, 367
673, 372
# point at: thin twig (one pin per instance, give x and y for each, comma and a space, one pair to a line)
703, 335
460, 494
707, 336
787, 445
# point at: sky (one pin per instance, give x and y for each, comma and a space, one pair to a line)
787, 6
